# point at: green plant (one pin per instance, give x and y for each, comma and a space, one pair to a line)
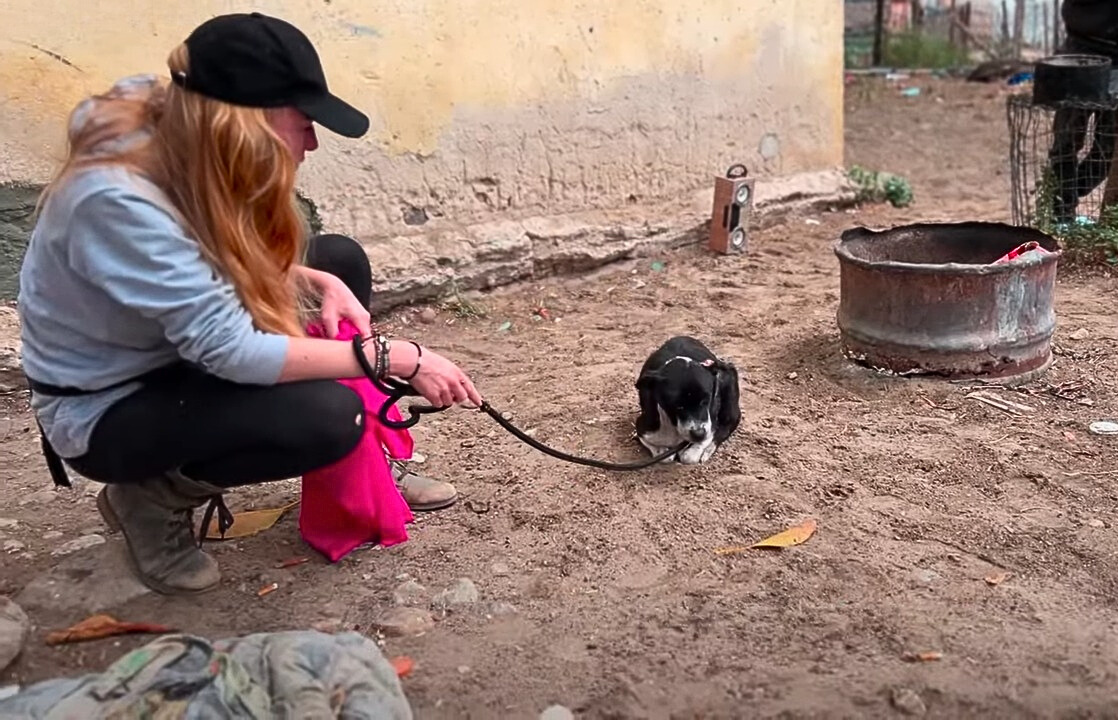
1093, 241
875, 186
1045, 211
1082, 239
461, 307
917, 50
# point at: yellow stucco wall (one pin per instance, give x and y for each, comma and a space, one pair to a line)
482, 107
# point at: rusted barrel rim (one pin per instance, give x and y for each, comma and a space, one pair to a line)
1026, 234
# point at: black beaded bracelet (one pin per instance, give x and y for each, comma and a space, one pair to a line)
380, 358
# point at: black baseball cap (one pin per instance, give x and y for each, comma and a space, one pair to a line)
254, 60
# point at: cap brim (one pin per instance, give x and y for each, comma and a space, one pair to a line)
336, 115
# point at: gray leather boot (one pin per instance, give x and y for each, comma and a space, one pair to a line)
157, 519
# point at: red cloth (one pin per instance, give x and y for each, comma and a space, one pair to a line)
355, 500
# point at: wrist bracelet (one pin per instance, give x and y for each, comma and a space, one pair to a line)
382, 357
419, 354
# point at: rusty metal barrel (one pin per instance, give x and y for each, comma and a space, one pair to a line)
928, 299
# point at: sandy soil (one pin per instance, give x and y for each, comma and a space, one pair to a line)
602, 592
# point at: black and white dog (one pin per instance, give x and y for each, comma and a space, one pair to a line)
687, 394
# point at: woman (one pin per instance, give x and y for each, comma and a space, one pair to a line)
162, 294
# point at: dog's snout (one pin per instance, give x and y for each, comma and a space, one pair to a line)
698, 434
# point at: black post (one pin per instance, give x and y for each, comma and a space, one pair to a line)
879, 33
1056, 20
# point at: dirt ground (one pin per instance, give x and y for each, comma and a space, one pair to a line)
602, 592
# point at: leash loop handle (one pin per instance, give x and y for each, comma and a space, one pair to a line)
395, 391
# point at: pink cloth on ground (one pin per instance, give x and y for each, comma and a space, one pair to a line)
355, 500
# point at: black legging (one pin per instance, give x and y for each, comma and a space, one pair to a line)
229, 434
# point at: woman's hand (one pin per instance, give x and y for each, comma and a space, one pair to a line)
337, 302
439, 381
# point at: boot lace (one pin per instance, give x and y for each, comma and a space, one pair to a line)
224, 518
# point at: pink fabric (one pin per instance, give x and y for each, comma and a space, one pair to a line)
355, 500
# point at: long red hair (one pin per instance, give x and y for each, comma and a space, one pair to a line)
223, 167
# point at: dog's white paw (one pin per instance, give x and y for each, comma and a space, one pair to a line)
692, 455
708, 452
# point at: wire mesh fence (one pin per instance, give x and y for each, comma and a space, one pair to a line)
1060, 161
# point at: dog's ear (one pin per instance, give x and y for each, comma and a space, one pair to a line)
648, 380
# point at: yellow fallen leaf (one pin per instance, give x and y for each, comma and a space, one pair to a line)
792, 536
997, 578
249, 522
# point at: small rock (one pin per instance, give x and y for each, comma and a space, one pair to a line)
500, 609
88, 582
428, 315
557, 712
463, 669
14, 628
1104, 427
908, 702
52, 535
13, 546
404, 621
793, 375
1080, 334
923, 576
462, 592
328, 626
83, 543
1096, 523
8, 523
500, 568
410, 593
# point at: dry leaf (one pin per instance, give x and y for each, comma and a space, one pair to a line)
403, 665
997, 578
249, 522
930, 656
792, 536
267, 589
102, 626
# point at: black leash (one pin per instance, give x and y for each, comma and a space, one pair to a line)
397, 390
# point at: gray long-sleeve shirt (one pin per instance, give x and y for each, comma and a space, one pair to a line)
111, 287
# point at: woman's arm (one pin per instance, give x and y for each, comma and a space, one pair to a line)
437, 379
316, 359
136, 253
